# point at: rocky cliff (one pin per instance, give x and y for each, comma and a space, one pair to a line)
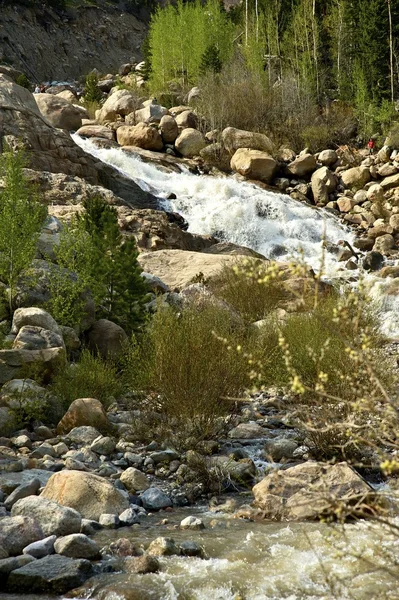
47, 45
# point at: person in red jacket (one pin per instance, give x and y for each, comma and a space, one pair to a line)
371, 146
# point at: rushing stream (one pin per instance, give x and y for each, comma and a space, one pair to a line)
250, 560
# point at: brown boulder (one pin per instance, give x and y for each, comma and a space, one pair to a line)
59, 112
254, 164
141, 135
84, 411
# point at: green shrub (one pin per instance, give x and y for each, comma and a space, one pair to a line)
23, 81
189, 371
90, 377
92, 92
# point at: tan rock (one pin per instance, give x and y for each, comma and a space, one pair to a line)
387, 170
141, 135
89, 494
99, 131
378, 230
384, 243
68, 96
134, 480
187, 119
177, 268
84, 411
323, 182
254, 164
121, 102
308, 490
345, 203
375, 193
356, 177
233, 139
390, 182
59, 112
328, 158
190, 143
303, 165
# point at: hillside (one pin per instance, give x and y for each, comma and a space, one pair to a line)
47, 44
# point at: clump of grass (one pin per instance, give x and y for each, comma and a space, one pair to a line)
90, 377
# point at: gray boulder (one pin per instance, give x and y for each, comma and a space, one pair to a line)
16, 532
155, 499
41, 548
77, 545
22, 491
52, 574
34, 316
52, 517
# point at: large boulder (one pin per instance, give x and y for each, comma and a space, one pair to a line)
233, 139
52, 518
323, 182
310, 490
141, 135
254, 164
187, 119
51, 575
328, 158
178, 268
84, 412
59, 112
96, 131
120, 103
89, 494
30, 337
18, 532
190, 142
390, 182
303, 165
33, 316
356, 177
106, 338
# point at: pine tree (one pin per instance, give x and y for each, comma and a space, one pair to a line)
117, 283
210, 61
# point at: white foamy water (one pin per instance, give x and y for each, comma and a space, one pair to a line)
238, 212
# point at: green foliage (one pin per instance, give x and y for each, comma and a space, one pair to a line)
183, 362
92, 93
71, 278
115, 273
23, 81
21, 220
197, 28
210, 61
90, 377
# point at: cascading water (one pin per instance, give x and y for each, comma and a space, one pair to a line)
273, 224
238, 212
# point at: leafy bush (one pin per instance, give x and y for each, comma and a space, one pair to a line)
90, 377
92, 92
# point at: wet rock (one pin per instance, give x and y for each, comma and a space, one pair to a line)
155, 499
190, 548
139, 565
373, 261
87, 493
129, 517
122, 547
163, 547
134, 480
309, 490
280, 449
22, 491
52, 574
52, 517
192, 523
77, 545
18, 532
41, 548
85, 414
